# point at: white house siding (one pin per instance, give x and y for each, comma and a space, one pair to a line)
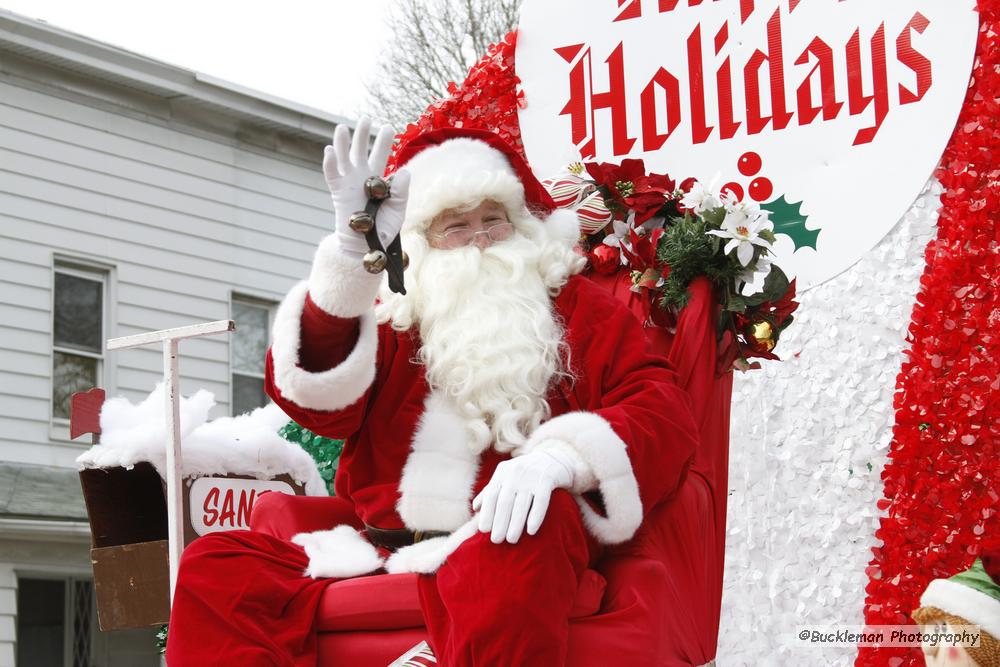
187, 191
8, 606
182, 217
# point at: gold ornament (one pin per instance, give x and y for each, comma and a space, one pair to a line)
763, 333
375, 261
361, 222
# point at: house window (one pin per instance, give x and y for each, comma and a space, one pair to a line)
249, 347
54, 622
78, 308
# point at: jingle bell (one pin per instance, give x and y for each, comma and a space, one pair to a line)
376, 188
406, 261
375, 261
361, 222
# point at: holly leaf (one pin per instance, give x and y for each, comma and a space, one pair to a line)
788, 220
737, 304
775, 286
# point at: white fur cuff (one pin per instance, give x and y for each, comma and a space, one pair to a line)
592, 439
427, 556
435, 491
339, 283
328, 390
340, 553
584, 478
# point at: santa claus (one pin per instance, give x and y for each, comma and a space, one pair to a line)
504, 419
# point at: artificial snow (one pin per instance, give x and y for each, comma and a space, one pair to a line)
245, 445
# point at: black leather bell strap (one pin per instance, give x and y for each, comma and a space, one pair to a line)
394, 253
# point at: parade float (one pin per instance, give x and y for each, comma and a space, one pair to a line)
733, 163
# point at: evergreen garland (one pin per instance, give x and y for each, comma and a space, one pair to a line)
324, 451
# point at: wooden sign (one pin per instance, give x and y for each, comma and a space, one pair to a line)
224, 503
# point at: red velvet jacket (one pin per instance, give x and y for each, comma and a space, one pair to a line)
624, 414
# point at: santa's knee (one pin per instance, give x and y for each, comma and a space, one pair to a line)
561, 530
562, 521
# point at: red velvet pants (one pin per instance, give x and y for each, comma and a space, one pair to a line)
242, 599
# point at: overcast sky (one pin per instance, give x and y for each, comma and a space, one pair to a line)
315, 53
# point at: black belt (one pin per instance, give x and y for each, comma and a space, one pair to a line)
397, 538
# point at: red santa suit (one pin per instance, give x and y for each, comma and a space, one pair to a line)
408, 463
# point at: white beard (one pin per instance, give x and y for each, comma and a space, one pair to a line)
491, 341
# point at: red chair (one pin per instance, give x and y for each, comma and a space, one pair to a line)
675, 560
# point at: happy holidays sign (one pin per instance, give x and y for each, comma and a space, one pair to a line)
830, 113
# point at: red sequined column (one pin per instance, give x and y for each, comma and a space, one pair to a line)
942, 480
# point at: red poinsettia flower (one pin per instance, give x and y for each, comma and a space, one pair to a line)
779, 311
649, 194
632, 188
642, 255
611, 175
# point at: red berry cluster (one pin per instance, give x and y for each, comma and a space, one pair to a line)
760, 188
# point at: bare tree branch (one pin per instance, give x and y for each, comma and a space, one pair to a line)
433, 42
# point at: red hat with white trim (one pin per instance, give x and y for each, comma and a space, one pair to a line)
451, 167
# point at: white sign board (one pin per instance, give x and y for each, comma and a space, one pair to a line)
221, 503
845, 106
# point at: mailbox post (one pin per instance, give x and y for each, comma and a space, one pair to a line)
170, 339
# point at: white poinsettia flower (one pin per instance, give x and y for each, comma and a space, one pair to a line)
730, 202
754, 274
749, 208
701, 197
618, 236
743, 232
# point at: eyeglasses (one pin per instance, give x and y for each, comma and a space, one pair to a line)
459, 238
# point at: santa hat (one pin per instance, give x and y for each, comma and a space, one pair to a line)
971, 597
451, 167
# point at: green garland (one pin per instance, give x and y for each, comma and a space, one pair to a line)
690, 252
324, 451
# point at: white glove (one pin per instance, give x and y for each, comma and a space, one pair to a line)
518, 494
346, 168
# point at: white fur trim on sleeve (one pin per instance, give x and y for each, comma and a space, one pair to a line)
435, 491
339, 283
328, 390
340, 553
427, 556
584, 478
591, 437
562, 224
965, 602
